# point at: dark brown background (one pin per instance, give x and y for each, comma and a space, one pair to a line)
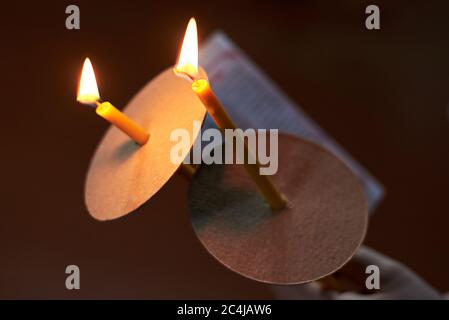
382, 94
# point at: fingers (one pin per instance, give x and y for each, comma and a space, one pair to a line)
359, 296
355, 270
367, 256
308, 291
396, 282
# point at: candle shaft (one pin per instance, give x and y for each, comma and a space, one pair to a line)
223, 120
121, 121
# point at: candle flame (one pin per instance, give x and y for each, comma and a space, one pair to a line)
88, 90
188, 57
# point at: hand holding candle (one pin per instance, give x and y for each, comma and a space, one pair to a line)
88, 94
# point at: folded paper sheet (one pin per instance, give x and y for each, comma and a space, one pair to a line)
254, 101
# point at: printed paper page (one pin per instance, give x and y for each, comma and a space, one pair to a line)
254, 101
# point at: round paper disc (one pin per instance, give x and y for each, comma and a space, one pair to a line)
318, 232
124, 175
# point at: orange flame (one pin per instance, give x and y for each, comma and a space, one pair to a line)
188, 57
88, 89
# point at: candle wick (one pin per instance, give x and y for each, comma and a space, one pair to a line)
183, 74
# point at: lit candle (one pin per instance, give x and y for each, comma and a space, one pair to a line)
88, 94
188, 65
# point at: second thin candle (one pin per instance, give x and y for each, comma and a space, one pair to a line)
188, 65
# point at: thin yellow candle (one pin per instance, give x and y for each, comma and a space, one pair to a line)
188, 65
88, 94
223, 120
118, 119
